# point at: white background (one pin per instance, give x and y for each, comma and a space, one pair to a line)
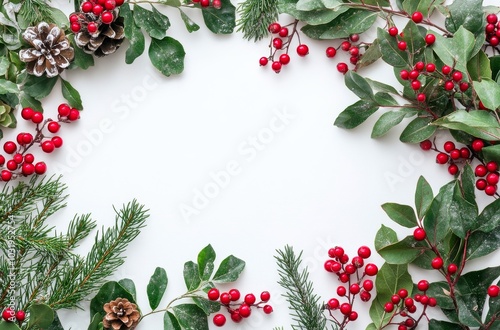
312, 186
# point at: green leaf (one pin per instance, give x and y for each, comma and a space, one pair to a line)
481, 243
467, 14
489, 219
41, 315
350, 22
71, 94
153, 22
191, 275
129, 285
190, 25
456, 51
401, 214
39, 87
56, 324
385, 100
4, 65
436, 221
479, 67
309, 5
371, 55
402, 252
220, 21
382, 87
441, 291
7, 87
442, 325
414, 40
59, 17
385, 236
323, 18
358, 85
229, 270
355, 114
418, 130
109, 291
29, 101
191, 317
206, 259
488, 91
387, 121
96, 322
478, 123
423, 197
495, 65
156, 287
423, 6
390, 51
9, 326
170, 322
206, 305
82, 60
167, 55
491, 153
133, 34
463, 213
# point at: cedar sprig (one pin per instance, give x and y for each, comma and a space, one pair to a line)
306, 309
255, 17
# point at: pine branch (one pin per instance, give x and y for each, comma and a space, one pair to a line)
255, 17
35, 11
104, 257
307, 311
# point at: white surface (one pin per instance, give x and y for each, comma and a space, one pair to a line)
312, 185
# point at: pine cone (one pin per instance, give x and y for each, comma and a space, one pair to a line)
121, 314
51, 52
105, 40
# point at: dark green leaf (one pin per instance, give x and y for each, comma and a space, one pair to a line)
481, 243
491, 153
414, 40
467, 14
4, 65
441, 291
478, 123
170, 322
350, 22
436, 221
390, 51
191, 317
387, 121
96, 322
229, 270
129, 285
418, 130
7, 86
133, 34
82, 60
495, 65
41, 315
39, 87
190, 25
206, 259
153, 22
423, 197
371, 55
456, 51
488, 91
71, 94
382, 87
358, 85
423, 6
206, 305
191, 275
355, 114
220, 21
401, 214
402, 252
463, 214
167, 55
385, 236
468, 184
442, 325
385, 100
29, 101
489, 219
479, 67
109, 291
156, 287
9, 326
56, 324
310, 5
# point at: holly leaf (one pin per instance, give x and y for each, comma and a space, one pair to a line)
481, 243
358, 85
220, 21
436, 221
9, 326
441, 291
191, 275
418, 130
71, 94
167, 55
355, 114
191, 317
414, 40
488, 91
387, 121
41, 315
371, 55
128, 285
156, 287
401, 214
133, 34
206, 259
463, 214
442, 325
229, 270
423, 6
190, 25
478, 123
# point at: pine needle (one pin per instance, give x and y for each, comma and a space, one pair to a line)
255, 17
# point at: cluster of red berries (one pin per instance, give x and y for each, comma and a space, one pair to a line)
492, 30
437, 263
23, 163
404, 306
351, 47
93, 13
451, 155
10, 315
353, 275
238, 310
217, 4
281, 39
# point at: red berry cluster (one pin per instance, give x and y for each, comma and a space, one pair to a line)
22, 162
353, 275
93, 13
451, 155
492, 30
437, 263
402, 307
238, 309
217, 4
281, 39
10, 315
351, 46
488, 177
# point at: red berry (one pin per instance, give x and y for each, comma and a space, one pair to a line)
277, 43
9, 147
354, 51
213, 294
437, 263
92, 27
403, 293
37, 117
442, 158
419, 234
11, 165
492, 166
263, 61
342, 67
109, 4
449, 146
409, 302
368, 285
87, 7
416, 84
75, 27
405, 75
354, 288
276, 66
234, 294
268, 309
53, 127
423, 285
420, 66
371, 269
481, 184
426, 145
477, 145
357, 262
446, 70
393, 31
455, 154
8, 314
63, 110
2, 160
344, 278
463, 86
452, 269
388, 307
492, 18
430, 39
217, 4
464, 152
402, 45
345, 46
490, 28
284, 59
219, 320
431, 67
492, 178
265, 296
365, 296
250, 299
97, 10
338, 251
73, 18
457, 76
493, 291
27, 113
413, 74
331, 52
302, 50
453, 169
74, 114
353, 316
364, 252
432, 302
421, 97
341, 291
27, 169
20, 316
29, 158
18, 158
283, 32
333, 303
417, 17
274, 27
245, 310
5, 175
40, 168
409, 323
480, 170
48, 146
350, 269
449, 85
235, 316
345, 308
107, 17
490, 190
225, 298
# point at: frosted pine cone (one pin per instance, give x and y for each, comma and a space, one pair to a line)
51, 51
121, 314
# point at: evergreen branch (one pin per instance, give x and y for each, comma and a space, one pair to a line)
102, 260
255, 17
307, 312
79, 228
35, 11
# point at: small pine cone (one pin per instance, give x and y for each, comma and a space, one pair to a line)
51, 51
105, 40
121, 314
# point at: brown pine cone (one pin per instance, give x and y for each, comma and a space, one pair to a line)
121, 314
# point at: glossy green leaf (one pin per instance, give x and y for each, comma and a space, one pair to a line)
467, 14
456, 51
385, 236
441, 291
56, 323
382, 87
167, 55
220, 21
463, 213
9, 326
191, 317
387, 121
109, 291
350, 22
423, 197
402, 252
468, 184
418, 130
478, 123
41, 315
71, 94
415, 41
370, 56
495, 65
96, 322
206, 305
170, 322
39, 87
479, 67
491, 153
489, 219
153, 22
390, 51
385, 100
488, 91
442, 325
436, 221
378, 315
358, 85
129, 285
355, 114
81, 60
133, 33
4, 65
229, 270
401, 214
308, 5
206, 259
156, 287
314, 30
423, 6
188, 22
481, 244
191, 275
7, 86
29, 101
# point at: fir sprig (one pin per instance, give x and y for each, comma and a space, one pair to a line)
34, 11
307, 311
255, 17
